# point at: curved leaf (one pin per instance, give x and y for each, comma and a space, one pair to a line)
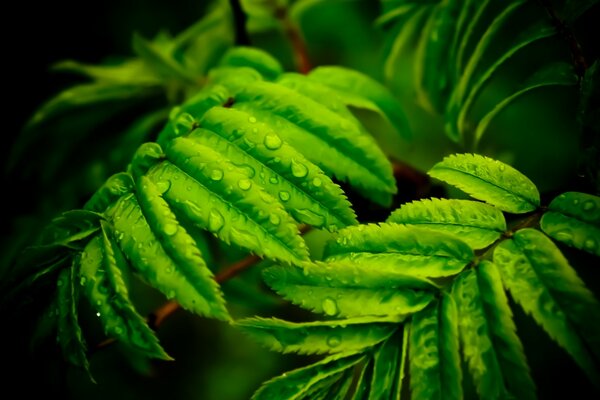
347, 335
347, 290
396, 250
295, 384
305, 192
475, 223
343, 150
386, 363
257, 59
574, 219
101, 275
434, 359
489, 180
488, 334
541, 280
70, 336
352, 84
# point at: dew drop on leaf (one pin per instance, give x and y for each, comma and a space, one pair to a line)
245, 184
284, 196
334, 341
252, 120
564, 236
274, 180
299, 170
589, 205
82, 281
317, 182
216, 175
274, 219
170, 229
589, 244
118, 330
272, 142
329, 306
215, 221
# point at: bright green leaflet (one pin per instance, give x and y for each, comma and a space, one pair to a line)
541, 280
295, 384
346, 290
353, 84
132, 71
257, 59
70, 336
489, 180
181, 247
475, 223
435, 371
116, 186
574, 219
306, 192
102, 266
348, 335
343, 150
488, 335
394, 250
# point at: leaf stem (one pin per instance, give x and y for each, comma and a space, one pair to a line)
239, 23
291, 31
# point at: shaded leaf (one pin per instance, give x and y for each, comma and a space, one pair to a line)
574, 219
489, 180
386, 361
541, 280
475, 223
488, 335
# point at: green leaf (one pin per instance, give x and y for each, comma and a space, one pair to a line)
70, 336
102, 267
386, 362
363, 386
488, 335
435, 371
541, 280
401, 373
161, 62
574, 219
557, 74
295, 384
114, 187
216, 194
132, 71
353, 84
347, 335
254, 58
304, 190
471, 82
344, 151
347, 289
182, 249
489, 180
394, 250
475, 223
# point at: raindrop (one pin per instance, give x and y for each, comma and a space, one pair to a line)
215, 221
216, 174
299, 170
252, 120
272, 142
589, 205
589, 244
274, 180
329, 306
564, 236
82, 281
118, 330
170, 229
245, 184
334, 341
317, 182
501, 167
284, 196
171, 294
274, 219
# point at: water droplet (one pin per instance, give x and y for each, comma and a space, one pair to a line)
170, 229
589, 205
118, 330
329, 306
564, 236
59, 282
334, 341
274, 180
272, 142
97, 314
284, 196
82, 280
299, 170
245, 184
188, 188
215, 221
317, 182
274, 219
171, 294
502, 167
576, 201
252, 120
590, 244
216, 174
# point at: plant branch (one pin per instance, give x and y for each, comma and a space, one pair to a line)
290, 28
